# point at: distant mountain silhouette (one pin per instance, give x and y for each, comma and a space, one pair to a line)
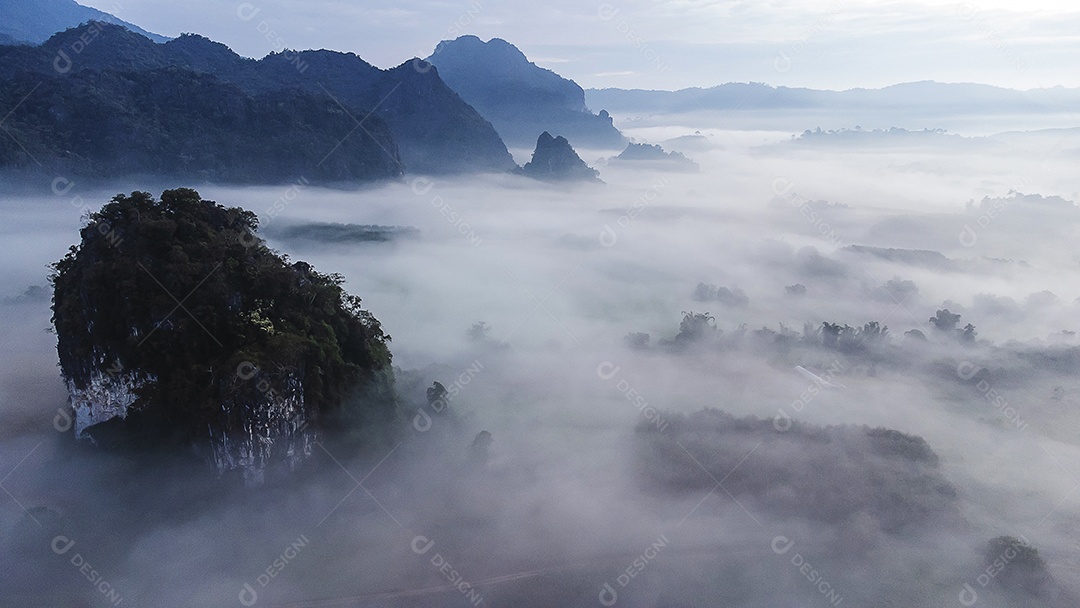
434, 131
555, 160
520, 98
937, 96
656, 157
35, 21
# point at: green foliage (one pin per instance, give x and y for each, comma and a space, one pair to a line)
193, 106
177, 122
182, 290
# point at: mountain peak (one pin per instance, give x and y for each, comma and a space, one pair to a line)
555, 160
494, 56
496, 48
202, 53
35, 22
102, 45
519, 97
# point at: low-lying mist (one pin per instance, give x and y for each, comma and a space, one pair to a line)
622, 420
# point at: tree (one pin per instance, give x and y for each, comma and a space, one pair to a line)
945, 321
478, 332
695, 326
436, 395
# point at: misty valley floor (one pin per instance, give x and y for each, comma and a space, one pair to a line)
694, 467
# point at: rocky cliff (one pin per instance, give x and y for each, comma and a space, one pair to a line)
177, 327
555, 160
519, 97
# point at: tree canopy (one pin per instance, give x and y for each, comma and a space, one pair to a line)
181, 291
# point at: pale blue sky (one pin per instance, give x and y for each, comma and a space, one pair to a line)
670, 44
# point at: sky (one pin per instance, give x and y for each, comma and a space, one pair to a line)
829, 44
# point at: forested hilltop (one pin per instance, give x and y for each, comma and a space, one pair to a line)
177, 326
91, 100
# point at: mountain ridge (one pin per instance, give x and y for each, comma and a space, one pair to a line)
925, 93
35, 23
518, 97
435, 131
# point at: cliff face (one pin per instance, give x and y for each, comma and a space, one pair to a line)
263, 428
103, 397
520, 98
177, 328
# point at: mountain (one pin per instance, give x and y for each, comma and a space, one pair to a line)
433, 129
936, 96
520, 98
179, 123
265, 354
655, 156
35, 21
554, 160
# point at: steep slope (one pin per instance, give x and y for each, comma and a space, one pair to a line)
34, 21
264, 355
520, 98
172, 122
434, 129
555, 160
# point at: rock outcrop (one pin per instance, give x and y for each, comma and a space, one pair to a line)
177, 328
555, 160
519, 97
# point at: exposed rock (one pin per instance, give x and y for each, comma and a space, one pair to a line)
555, 160
519, 97
187, 332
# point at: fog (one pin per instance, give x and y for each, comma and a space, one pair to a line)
614, 474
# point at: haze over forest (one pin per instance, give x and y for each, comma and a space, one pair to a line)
371, 322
